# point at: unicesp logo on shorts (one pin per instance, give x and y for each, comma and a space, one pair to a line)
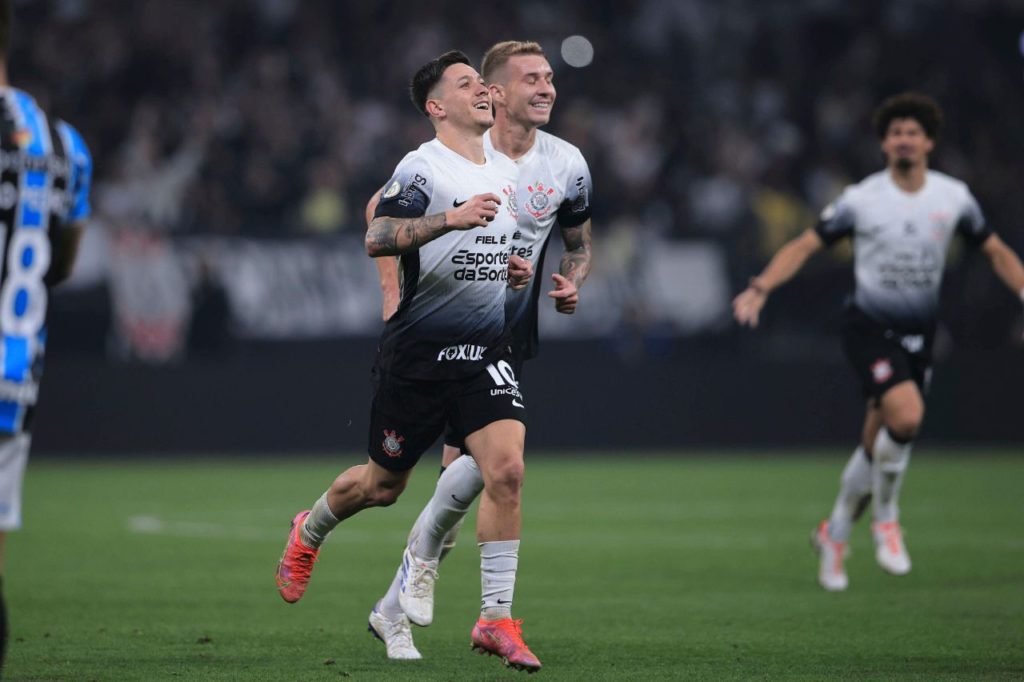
463, 351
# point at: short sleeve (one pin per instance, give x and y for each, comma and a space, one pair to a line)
971, 222
575, 208
407, 194
81, 172
837, 220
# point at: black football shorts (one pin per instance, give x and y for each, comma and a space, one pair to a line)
408, 415
453, 437
883, 358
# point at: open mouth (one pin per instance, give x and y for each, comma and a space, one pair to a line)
482, 106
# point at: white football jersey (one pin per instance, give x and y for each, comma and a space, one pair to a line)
451, 319
554, 186
900, 241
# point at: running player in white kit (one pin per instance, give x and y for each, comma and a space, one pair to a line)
450, 212
554, 188
901, 220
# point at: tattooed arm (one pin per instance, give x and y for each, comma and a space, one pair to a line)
573, 269
387, 268
388, 236
575, 265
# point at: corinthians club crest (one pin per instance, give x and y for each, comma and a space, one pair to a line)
512, 205
392, 444
539, 202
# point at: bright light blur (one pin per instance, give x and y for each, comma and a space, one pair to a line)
577, 51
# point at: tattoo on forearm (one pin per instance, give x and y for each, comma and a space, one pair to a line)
389, 236
575, 265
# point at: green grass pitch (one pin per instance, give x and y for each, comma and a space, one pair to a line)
631, 568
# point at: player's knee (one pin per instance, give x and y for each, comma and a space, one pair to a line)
506, 478
383, 492
904, 425
381, 496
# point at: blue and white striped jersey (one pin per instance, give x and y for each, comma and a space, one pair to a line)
451, 320
45, 173
900, 241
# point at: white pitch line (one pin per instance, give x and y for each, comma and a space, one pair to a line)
154, 525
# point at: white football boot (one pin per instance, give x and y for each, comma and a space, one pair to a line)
890, 552
396, 635
416, 593
831, 558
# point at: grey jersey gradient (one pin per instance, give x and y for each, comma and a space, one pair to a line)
451, 319
900, 242
554, 187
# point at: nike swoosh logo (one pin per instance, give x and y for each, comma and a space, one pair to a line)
517, 403
502, 601
458, 500
457, 203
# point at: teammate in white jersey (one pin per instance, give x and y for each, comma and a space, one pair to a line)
450, 213
901, 221
554, 188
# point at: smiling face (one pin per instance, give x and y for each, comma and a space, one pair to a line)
524, 87
461, 99
906, 145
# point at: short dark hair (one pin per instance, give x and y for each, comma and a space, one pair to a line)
6, 20
915, 105
428, 76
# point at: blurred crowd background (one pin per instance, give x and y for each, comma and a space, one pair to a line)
726, 125
237, 141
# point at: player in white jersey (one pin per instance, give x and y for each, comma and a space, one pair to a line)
450, 213
554, 188
45, 172
901, 221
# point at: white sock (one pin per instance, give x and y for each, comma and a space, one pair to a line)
854, 486
389, 606
891, 459
318, 524
456, 489
498, 563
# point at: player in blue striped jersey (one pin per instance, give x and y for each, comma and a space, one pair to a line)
901, 221
45, 172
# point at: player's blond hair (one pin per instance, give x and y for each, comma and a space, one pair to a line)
499, 54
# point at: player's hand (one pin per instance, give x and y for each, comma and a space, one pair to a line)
520, 272
476, 211
746, 307
565, 294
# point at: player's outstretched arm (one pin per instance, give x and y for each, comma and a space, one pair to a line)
387, 268
65, 252
746, 307
389, 236
573, 269
1005, 263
